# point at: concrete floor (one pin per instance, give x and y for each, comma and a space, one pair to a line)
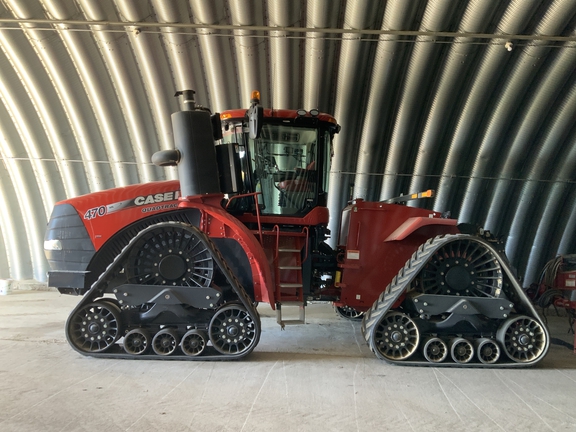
315, 377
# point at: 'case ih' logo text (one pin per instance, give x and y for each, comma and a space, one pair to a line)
139, 201
156, 198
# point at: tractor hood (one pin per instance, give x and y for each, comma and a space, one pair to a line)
102, 213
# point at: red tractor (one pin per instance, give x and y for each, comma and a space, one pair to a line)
176, 269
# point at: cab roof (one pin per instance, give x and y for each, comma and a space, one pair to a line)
239, 114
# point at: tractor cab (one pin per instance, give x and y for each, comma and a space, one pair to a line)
281, 156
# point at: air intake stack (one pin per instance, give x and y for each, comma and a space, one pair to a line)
195, 154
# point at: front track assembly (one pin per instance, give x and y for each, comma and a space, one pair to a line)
169, 294
456, 302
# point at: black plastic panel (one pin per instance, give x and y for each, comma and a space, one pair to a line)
66, 279
229, 168
238, 262
77, 249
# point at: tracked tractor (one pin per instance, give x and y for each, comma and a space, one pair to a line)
176, 269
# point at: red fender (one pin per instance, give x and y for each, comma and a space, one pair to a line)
414, 223
217, 223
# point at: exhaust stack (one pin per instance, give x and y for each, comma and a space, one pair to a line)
195, 153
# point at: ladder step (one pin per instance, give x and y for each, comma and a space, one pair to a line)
290, 285
301, 313
289, 267
289, 298
291, 322
282, 233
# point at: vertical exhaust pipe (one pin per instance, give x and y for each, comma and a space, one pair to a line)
195, 153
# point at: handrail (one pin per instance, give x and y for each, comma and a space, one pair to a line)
258, 221
277, 250
307, 231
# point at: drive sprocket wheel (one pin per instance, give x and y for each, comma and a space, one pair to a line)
95, 327
463, 267
232, 330
173, 255
523, 338
396, 336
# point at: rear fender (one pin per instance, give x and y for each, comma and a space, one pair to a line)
413, 224
420, 229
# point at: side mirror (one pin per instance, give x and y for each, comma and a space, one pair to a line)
255, 118
216, 126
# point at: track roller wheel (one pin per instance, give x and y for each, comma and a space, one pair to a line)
523, 339
461, 350
435, 350
137, 341
165, 342
193, 342
396, 336
232, 330
95, 327
349, 313
487, 350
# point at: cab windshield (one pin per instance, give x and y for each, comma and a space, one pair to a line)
283, 163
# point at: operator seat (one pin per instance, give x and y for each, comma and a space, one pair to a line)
303, 181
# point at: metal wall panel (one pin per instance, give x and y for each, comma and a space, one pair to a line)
87, 89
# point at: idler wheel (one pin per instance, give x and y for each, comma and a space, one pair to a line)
461, 350
232, 330
396, 336
95, 327
136, 341
523, 339
435, 350
194, 342
165, 342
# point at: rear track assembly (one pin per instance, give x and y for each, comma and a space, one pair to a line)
456, 302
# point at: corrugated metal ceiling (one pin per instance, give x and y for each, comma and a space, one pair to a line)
426, 92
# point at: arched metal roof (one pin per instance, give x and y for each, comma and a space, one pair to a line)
476, 99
